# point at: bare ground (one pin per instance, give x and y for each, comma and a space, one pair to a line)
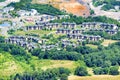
96, 77
71, 6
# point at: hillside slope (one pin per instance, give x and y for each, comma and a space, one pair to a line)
76, 7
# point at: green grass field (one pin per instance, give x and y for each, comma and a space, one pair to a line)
92, 46
107, 42
9, 65
38, 32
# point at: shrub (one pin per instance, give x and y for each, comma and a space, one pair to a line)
81, 71
114, 70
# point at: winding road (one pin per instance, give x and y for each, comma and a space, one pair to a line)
99, 12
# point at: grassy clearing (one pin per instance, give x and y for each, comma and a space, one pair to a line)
45, 64
38, 32
57, 35
92, 46
19, 33
107, 42
1, 7
29, 24
35, 1
9, 65
96, 77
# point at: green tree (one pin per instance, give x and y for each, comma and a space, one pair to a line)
2, 39
63, 77
64, 71
99, 70
81, 71
36, 52
69, 48
114, 70
92, 12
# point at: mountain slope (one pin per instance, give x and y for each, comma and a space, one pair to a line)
76, 7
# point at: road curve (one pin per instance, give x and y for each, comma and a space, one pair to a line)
99, 12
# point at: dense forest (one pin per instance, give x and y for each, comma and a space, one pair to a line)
49, 74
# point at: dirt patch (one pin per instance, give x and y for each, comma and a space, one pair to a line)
70, 6
96, 77
107, 42
60, 63
75, 8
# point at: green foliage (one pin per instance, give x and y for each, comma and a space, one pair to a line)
108, 4
60, 55
64, 71
69, 48
107, 7
105, 57
18, 51
84, 49
80, 20
92, 12
13, 14
11, 31
36, 52
97, 3
2, 0
61, 37
100, 71
41, 8
23, 4
63, 77
46, 9
2, 39
114, 70
106, 64
13, 49
110, 70
81, 71
49, 74
47, 36
104, 34
116, 36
